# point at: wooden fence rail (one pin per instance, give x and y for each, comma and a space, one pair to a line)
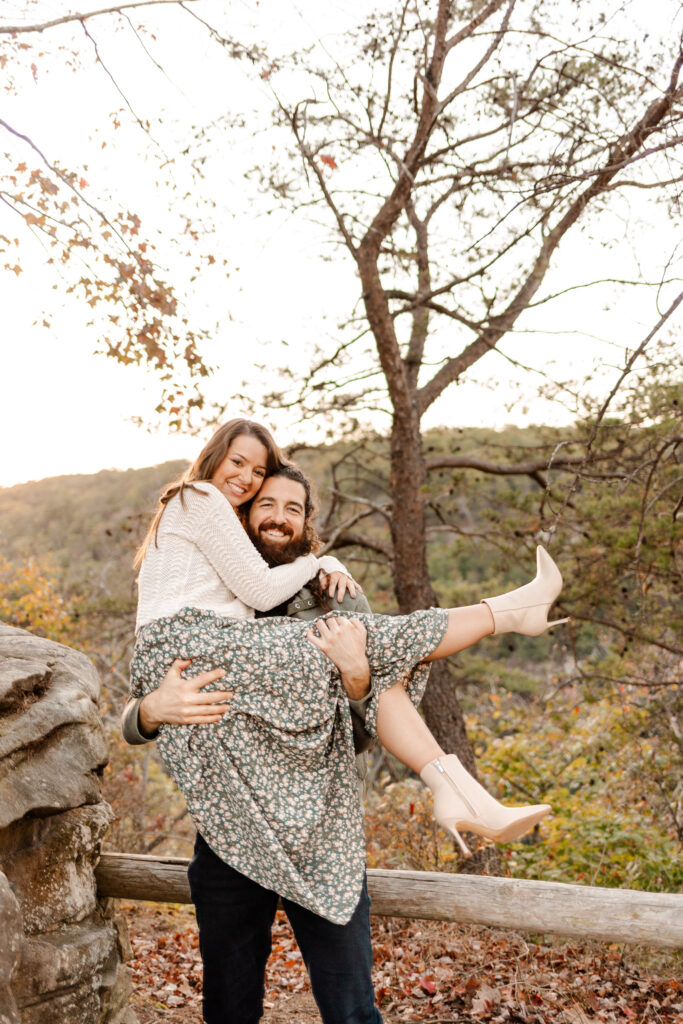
580, 911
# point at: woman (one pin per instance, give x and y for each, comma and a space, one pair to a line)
271, 787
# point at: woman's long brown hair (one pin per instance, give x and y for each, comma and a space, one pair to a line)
205, 466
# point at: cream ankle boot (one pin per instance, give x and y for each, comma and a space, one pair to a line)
460, 802
525, 610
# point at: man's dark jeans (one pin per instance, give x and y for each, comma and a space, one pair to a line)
235, 916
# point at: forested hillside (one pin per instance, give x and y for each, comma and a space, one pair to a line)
86, 525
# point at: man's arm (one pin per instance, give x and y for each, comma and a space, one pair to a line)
358, 685
355, 673
180, 701
131, 728
177, 701
362, 740
359, 697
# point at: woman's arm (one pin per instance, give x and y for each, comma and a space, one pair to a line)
329, 564
209, 521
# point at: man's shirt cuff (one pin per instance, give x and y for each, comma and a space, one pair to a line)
361, 706
130, 724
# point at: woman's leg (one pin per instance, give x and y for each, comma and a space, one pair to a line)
524, 610
466, 626
402, 730
459, 800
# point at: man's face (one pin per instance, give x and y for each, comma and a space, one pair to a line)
277, 516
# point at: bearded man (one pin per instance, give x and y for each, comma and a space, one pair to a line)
234, 913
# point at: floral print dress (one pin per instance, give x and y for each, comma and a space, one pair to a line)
272, 786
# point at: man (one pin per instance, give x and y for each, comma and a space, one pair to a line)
235, 914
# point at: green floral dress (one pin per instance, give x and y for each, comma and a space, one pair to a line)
272, 786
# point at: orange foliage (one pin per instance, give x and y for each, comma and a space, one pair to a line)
30, 599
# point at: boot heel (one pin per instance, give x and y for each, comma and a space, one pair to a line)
557, 622
464, 848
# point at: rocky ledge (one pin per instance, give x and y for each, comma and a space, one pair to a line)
63, 952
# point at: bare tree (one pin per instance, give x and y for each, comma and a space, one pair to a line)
451, 149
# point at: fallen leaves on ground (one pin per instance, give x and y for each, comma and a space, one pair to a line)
428, 971
424, 971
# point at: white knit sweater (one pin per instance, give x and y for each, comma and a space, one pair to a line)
204, 559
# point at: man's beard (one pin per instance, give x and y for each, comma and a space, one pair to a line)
279, 554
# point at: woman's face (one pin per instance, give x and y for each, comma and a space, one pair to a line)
242, 471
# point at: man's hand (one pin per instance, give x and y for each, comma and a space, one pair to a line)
179, 701
340, 582
343, 641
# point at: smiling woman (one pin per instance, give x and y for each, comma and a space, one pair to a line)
197, 553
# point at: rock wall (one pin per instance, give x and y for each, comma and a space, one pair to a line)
62, 951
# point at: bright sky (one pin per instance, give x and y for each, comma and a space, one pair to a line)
65, 410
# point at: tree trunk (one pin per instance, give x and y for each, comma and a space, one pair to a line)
413, 589
411, 579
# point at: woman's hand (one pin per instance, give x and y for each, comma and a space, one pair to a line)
179, 701
343, 641
340, 582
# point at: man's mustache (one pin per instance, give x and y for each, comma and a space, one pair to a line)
270, 524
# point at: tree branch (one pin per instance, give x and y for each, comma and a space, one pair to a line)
390, 70
382, 510
419, 302
65, 19
627, 631
65, 180
330, 537
484, 60
376, 304
420, 324
467, 30
519, 469
308, 156
116, 85
624, 149
158, 840
630, 362
361, 540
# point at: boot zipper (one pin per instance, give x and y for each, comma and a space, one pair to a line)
440, 768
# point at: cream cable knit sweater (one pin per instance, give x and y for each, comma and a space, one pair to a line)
204, 559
